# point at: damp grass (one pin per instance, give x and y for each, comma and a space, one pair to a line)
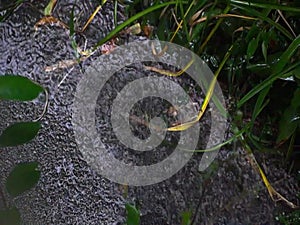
265, 52
263, 61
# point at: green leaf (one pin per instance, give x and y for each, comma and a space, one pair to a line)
19, 133
286, 56
253, 32
10, 217
71, 22
18, 88
23, 177
260, 102
264, 49
295, 103
252, 46
186, 218
266, 5
296, 72
49, 8
290, 119
258, 88
133, 215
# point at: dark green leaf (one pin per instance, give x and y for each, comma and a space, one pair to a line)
133, 215
10, 217
261, 86
19, 133
286, 128
71, 22
290, 118
286, 56
260, 103
295, 102
18, 88
252, 46
297, 72
253, 32
266, 5
264, 49
23, 177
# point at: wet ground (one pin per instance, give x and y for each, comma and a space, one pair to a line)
70, 192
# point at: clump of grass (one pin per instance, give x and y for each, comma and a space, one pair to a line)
264, 59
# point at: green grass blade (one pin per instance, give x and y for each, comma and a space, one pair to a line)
133, 215
131, 20
49, 8
266, 5
285, 57
115, 12
183, 15
253, 12
222, 144
262, 86
260, 103
71, 22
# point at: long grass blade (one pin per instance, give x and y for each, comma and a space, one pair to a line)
260, 103
272, 192
183, 22
131, 20
266, 5
263, 17
92, 16
208, 96
217, 147
286, 56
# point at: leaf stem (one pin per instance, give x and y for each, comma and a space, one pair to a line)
4, 200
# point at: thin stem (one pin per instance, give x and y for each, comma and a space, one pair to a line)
4, 200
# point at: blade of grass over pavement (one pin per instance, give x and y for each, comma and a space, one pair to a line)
131, 20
